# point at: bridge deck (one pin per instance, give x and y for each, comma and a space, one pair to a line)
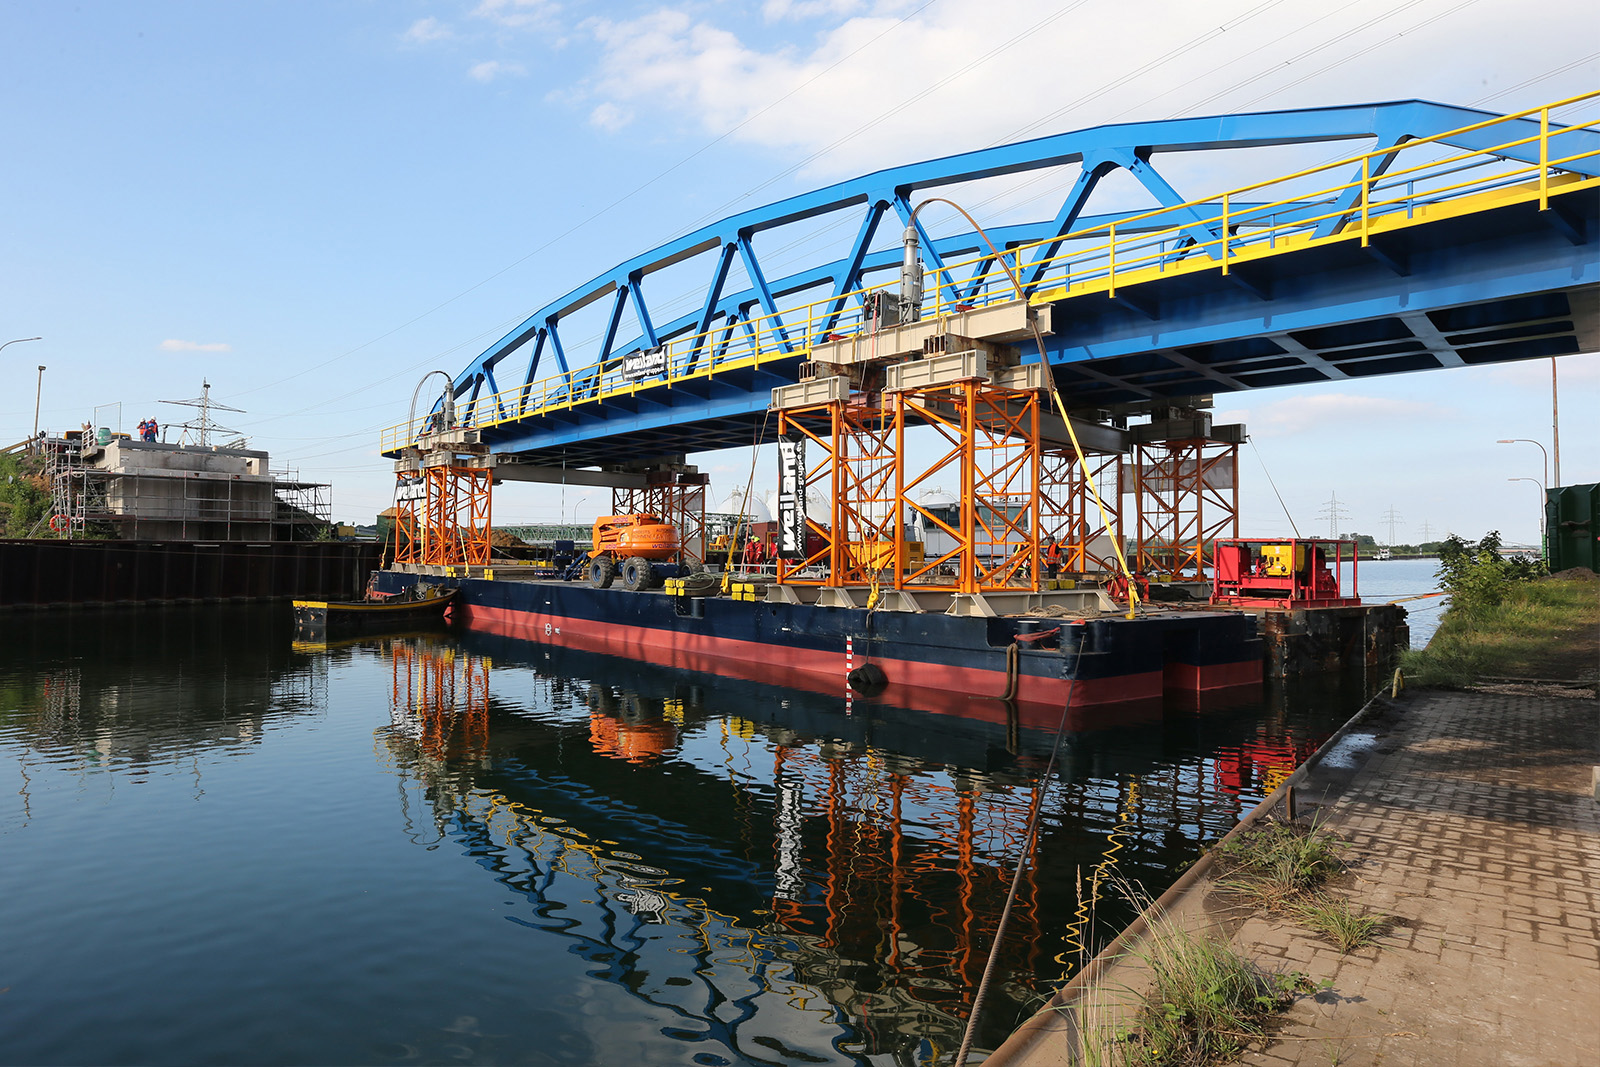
1473, 244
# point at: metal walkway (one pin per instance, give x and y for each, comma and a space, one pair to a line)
1462, 238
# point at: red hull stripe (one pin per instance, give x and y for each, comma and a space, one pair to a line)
943, 684
1197, 679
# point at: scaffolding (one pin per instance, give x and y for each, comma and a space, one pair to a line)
155, 503
677, 497
1186, 494
1068, 513
986, 429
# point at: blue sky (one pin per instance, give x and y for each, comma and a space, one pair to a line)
312, 204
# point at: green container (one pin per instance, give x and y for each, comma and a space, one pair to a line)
103, 437
1570, 526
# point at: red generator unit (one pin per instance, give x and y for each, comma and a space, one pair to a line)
1301, 573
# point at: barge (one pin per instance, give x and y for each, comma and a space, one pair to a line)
1077, 656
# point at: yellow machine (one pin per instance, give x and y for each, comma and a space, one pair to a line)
879, 555
1283, 560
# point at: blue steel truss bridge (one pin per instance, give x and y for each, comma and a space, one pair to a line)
1458, 238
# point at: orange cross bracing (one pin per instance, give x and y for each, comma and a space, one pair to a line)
452, 525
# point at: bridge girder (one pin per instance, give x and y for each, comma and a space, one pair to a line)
1248, 327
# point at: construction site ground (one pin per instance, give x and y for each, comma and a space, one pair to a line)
1473, 824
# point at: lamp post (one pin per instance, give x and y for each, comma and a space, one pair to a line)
19, 340
575, 503
37, 389
1543, 551
1530, 441
1555, 420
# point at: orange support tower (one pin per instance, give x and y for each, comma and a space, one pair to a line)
443, 515
857, 478
990, 441
1187, 495
987, 444
1068, 513
678, 498
979, 408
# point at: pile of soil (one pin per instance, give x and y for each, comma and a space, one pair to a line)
1574, 574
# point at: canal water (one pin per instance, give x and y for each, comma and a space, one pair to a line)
1404, 580
220, 846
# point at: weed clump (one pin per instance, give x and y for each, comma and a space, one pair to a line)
1206, 1003
1276, 864
1340, 922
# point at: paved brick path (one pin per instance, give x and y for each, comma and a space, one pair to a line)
1476, 827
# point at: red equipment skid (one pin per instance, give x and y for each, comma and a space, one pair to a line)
1283, 574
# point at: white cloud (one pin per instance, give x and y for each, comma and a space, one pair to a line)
1231, 415
173, 345
610, 117
778, 10
491, 69
1320, 413
874, 88
1580, 372
426, 31
517, 14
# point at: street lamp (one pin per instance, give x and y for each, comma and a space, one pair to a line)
1543, 548
37, 389
18, 340
1529, 441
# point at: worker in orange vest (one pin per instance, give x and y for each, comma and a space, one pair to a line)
1052, 556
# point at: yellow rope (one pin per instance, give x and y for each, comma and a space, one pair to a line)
1050, 378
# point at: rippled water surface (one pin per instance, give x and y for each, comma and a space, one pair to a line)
218, 846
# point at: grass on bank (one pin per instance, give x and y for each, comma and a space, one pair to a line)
1529, 633
1276, 864
1206, 1004
1340, 922
1284, 867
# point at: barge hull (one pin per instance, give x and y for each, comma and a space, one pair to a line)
934, 657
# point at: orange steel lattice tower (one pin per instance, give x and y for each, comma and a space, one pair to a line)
677, 498
990, 448
443, 515
1187, 495
857, 478
1068, 513
991, 445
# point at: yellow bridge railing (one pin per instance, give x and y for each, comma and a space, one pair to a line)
1399, 186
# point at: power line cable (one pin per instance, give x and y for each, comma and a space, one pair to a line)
1463, 5
1546, 76
1318, 47
728, 206
1168, 57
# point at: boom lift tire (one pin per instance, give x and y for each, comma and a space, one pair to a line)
637, 576
602, 571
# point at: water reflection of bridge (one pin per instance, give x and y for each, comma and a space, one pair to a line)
737, 854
